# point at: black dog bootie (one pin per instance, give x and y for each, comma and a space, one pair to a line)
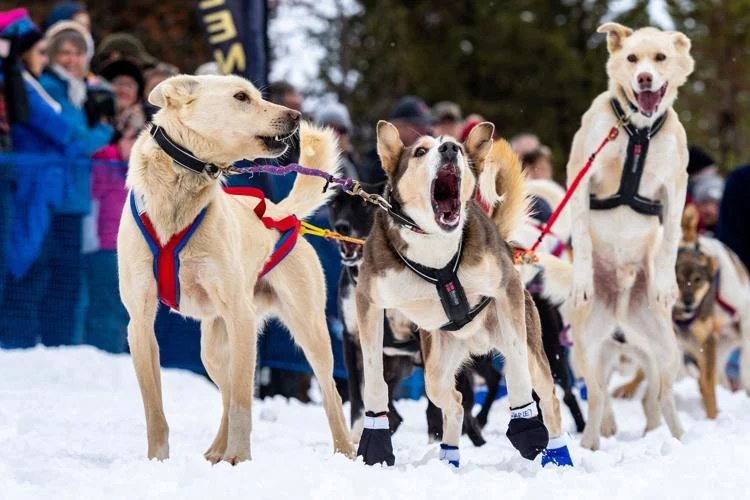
375, 445
526, 431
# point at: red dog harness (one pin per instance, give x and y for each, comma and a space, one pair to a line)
167, 256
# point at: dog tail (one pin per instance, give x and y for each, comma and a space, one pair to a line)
512, 207
318, 150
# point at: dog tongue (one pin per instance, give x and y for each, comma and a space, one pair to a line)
648, 101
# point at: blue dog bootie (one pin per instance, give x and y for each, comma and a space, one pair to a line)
557, 452
375, 445
526, 431
450, 454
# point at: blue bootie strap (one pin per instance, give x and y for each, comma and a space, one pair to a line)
450, 454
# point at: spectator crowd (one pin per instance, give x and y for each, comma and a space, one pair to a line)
70, 112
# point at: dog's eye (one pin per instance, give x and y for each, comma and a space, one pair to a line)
242, 96
633, 58
660, 57
420, 151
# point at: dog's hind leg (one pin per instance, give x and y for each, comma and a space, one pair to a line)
483, 366
145, 353
215, 357
590, 351
466, 388
311, 333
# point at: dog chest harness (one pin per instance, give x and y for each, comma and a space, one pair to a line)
449, 289
167, 256
635, 159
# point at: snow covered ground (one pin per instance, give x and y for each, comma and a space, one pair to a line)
72, 426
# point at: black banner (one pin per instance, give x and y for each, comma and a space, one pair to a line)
237, 32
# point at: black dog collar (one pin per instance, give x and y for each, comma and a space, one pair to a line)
399, 216
449, 288
182, 156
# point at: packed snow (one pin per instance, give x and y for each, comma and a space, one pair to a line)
72, 426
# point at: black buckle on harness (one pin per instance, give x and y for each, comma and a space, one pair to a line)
635, 160
449, 289
182, 156
398, 215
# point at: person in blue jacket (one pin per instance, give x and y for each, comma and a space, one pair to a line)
52, 150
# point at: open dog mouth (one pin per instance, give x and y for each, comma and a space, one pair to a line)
351, 253
649, 100
278, 141
446, 196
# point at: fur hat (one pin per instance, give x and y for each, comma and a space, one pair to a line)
61, 27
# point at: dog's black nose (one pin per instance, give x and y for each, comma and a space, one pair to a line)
645, 80
293, 116
448, 151
688, 301
343, 227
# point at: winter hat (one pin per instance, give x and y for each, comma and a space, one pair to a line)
698, 159
54, 32
124, 45
17, 26
118, 67
334, 114
413, 110
63, 11
446, 111
708, 188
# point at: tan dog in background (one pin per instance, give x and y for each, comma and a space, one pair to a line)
222, 119
623, 283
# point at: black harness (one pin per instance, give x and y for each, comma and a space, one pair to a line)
449, 289
635, 159
181, 156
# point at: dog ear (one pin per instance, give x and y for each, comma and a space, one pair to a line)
478, 143
690, 224
681, 42
174, 92
389, 146
616, 33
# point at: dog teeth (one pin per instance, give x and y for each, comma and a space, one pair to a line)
276, 138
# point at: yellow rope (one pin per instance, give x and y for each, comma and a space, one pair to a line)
308, 228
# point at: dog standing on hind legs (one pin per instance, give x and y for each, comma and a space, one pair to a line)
435, 254
218, 247
628, 209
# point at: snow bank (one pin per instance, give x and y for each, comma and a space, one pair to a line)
72, 426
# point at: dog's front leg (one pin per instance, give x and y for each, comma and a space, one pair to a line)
375, 444
242, 335
663, 276
582, 288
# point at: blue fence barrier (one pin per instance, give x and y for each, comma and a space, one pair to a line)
51, 290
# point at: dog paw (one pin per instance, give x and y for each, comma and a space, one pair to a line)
582, 290
213, 456
665, 293
557, 453
590, 440
526, 431
609, 426
375, 446
450, 454
158, 452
